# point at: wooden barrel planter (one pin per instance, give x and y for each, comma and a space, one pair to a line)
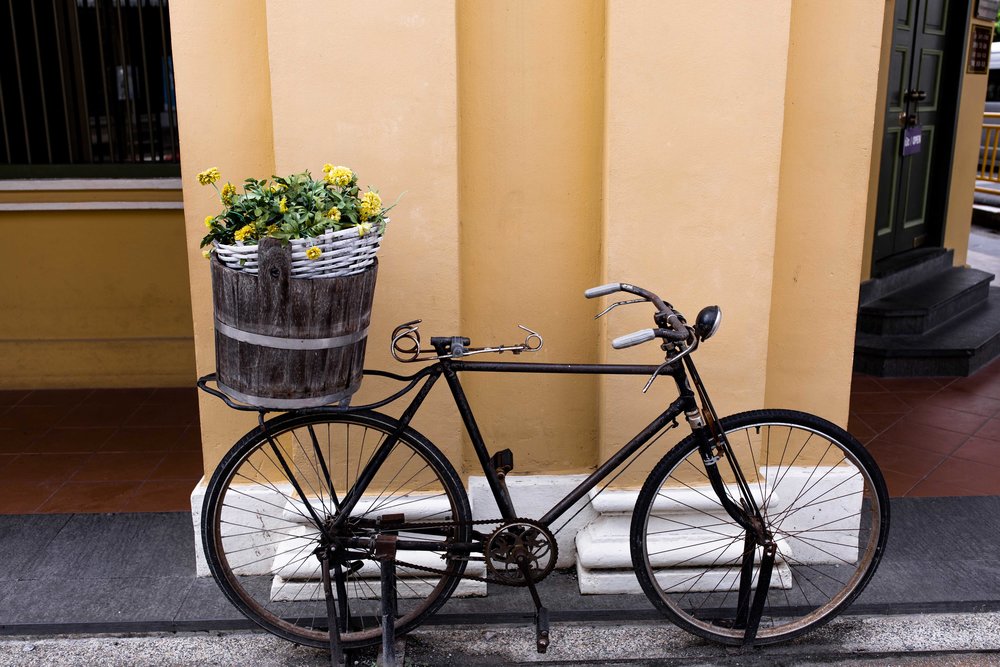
287, 343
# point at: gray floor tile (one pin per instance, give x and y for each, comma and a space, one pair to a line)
920, 582
949, 528
205, 601
26, 539
120, 545
94, 600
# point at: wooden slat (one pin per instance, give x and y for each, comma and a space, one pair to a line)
274, 304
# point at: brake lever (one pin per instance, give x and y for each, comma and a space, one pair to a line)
615, 305
689, 347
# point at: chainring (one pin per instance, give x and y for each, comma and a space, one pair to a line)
520, 540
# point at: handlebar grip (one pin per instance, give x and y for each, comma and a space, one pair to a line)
634, 338
595, 292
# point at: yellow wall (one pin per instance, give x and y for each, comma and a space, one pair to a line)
531, 102
691, 182
830, 99
93, 298
546, 147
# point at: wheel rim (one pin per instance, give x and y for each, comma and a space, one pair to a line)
265, 537
818, 500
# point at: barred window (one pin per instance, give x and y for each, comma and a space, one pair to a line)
86, 89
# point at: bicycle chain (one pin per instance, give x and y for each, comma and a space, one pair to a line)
475, 522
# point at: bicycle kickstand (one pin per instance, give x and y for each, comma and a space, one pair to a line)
336, 650
760, 595
385, 553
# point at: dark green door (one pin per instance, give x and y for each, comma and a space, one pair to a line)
924, 71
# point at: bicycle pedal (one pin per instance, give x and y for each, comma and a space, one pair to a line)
502, 462
542, 629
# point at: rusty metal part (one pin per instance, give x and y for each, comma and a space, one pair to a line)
519, 541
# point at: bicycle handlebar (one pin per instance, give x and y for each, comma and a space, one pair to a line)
634, 338
601, 290
670, 323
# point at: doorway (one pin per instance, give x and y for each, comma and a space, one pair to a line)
922, 98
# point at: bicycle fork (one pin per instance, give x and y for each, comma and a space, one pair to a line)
749, 609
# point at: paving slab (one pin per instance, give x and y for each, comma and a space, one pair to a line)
945, 640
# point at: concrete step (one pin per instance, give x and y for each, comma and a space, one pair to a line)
926, 305
905, 270
958, 347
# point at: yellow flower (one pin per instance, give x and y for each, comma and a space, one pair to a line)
207, 253
243, 232
364, 228
313, 252
340, 176
283, 205
271, 229
228, 191
327, 168
334, 214
371, 205
209, 176
208, 221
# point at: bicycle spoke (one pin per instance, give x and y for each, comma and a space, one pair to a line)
263, 531
825, 520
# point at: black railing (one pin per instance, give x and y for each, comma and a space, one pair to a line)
86, 88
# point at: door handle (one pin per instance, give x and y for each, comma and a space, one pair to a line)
915, 95
908, 119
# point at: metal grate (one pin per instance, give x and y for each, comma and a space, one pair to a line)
989, 154
86, 87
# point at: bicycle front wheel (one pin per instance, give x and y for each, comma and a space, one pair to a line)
822, 498
272, 500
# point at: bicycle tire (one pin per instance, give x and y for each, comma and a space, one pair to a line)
259, 535
686, 550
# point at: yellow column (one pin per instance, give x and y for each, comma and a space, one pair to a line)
531, 106
377, 93
830, 102
224, 120
263, 88
695, 99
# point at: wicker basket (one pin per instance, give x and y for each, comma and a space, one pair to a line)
344, 253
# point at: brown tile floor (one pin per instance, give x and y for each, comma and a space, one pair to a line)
932, 436
98, 450
139, 450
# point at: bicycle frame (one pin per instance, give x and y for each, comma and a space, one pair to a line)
711, 444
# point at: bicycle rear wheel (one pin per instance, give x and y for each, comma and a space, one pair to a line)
269, 497
822, 498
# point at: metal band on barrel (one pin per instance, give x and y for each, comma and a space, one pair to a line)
289, 343
289, 403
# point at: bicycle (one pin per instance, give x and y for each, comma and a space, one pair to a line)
753, 529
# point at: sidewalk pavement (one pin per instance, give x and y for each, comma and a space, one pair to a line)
128, 581
955, 640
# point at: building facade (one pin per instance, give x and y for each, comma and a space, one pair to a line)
716, 153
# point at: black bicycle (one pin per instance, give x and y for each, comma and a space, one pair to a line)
753, 529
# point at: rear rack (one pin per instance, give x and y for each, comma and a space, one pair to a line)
205, 384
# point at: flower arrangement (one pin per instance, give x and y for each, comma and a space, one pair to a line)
316, 217
292, 207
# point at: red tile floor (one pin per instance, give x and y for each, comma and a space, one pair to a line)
98, 450
139, 450
932, 436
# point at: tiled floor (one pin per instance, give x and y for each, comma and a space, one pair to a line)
139, 450
98, 450
932, 436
